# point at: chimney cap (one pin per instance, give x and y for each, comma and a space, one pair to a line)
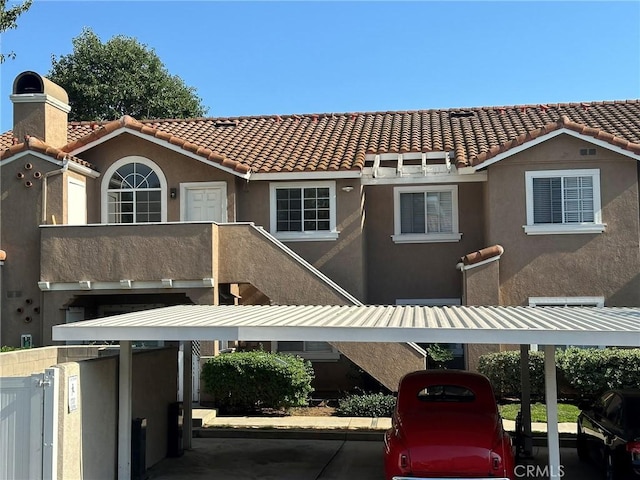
29, 83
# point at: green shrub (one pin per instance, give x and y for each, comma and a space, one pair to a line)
503, 369
591, 371
585, 372
367, 405
250, 381
6, 348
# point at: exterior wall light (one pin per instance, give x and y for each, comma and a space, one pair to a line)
347, 189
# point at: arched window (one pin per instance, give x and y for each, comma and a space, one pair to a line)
134, 191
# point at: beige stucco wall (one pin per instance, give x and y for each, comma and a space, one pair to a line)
248, 257
176, 167
342, 260
134, 252
386, 362
418, 270
21, 213
87, 436
604, 264
481, 284
155, 386
34, 360
40, 120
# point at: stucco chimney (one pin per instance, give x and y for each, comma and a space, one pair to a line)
40, 109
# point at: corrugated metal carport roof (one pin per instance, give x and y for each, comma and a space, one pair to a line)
369, 323
547, 326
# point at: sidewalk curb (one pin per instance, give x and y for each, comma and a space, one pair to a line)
539, 440
290, 433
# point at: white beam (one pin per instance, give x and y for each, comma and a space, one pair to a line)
525, 401
124, 411
551, 397
187, 395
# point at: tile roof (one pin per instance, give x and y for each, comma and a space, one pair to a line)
36, 145
340, 141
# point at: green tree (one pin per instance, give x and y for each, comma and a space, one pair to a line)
105, 81
9, 20
440, 354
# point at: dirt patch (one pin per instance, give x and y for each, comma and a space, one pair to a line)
312, 411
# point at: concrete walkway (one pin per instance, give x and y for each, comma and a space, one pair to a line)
209, 420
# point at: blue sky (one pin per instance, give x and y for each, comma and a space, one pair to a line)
255, 58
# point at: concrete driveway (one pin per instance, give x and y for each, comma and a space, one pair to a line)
298, 459
277, 459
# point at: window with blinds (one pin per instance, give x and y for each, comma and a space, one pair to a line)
563, 201
424, 214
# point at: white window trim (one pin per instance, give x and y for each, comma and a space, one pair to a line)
565, 301
564, 228
104, 187
429, 302
332, 356
556, 301
399, 237
184, 187
331, 234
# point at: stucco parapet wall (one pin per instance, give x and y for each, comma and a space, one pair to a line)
250, 254
162, 255
35, 360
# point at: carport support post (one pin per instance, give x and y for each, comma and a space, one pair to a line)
551, 397
124, 411
187, 394
525, 400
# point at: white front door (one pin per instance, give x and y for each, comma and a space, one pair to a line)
204, 202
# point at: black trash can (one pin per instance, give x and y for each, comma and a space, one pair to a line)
174, 431
139, 449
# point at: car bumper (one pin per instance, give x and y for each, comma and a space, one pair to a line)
448, 478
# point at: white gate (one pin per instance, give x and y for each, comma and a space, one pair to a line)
27, 426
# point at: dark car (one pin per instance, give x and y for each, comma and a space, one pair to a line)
609, 433
446, 425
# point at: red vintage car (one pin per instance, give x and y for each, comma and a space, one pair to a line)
446, 425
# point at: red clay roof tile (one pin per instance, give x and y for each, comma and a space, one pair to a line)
36, 145
337, 142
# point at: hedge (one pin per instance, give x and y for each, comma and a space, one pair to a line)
251, 381
366, 405
503, 369
592, 371
586, 371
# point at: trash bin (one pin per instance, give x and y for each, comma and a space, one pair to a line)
174, 433
139, 449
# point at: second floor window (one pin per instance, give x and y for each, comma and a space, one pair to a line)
134, 192
303, 211
426, 214
563, 201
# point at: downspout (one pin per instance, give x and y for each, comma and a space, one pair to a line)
65, 167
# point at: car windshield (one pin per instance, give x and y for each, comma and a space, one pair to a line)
446, 393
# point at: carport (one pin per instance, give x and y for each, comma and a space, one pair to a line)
548, 326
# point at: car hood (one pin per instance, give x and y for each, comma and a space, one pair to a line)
449, 443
